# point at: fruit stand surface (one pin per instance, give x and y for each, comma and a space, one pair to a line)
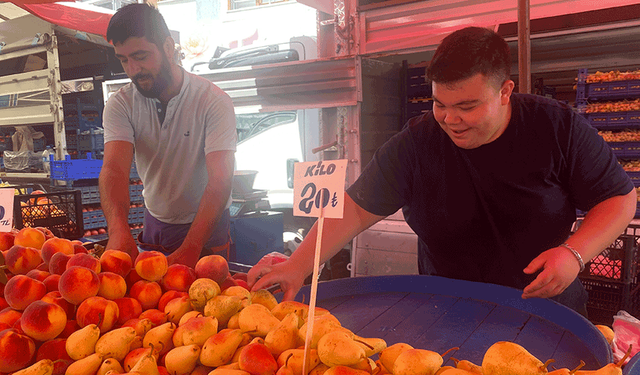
436, 313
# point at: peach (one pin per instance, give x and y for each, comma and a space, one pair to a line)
78, 247
78, 283
55, 297
3, 303
43, 267
46, 231
56, 245
9, 316
116, 261
56, 351
6, 240
30, 237
131, 278
178, 277
156, 316
168, 296
70, 328
99, 311
21, 290
128, 308
38, 274
43, 321
20, 259
85, 260
58, 263
213, 267
243, 284
228, 282
151, 265
112, 285
51, 282
16, 350
148, 293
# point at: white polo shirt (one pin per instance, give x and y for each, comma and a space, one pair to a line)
170, 156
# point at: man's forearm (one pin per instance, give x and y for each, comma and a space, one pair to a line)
115, 200
210, 209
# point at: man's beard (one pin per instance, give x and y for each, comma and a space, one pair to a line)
160, 82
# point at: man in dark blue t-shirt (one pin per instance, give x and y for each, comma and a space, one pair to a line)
489, 181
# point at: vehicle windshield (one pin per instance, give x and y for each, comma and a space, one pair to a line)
249, 125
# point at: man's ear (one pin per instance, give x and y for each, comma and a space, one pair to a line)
506, 90
169, 47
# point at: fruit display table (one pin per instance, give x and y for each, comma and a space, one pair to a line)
436, 313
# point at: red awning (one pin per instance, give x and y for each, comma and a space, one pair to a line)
75, 16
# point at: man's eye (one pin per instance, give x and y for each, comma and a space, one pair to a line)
467, 108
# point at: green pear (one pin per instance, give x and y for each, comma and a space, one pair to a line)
388, 356
82, 343
223, 308
257, 320
338, 348
284, 336
201, 291
417, 362
182, 360
219, 348
505, 357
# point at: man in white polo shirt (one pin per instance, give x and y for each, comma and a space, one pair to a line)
181, 128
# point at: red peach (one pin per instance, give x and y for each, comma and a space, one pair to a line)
116, 261
58, 263
38, 274
20, 259
4, 326
148, 293
43, 321
128, 308
55, 297
21, 290
56, 351
16, 350
51, 282
243, 284
132, 278
213, 267
142, 326
85, 260
178, 277
151, 265
46, 231
163, 370
78, 247
30, 237
69, 328
112, 285
78, 283
3, 303
56, 245
9, 316
156, 316
168, 296
99, 311
240, 276
229, 281
43, 267
6, 240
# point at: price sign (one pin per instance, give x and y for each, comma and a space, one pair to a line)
319, 185
6, 209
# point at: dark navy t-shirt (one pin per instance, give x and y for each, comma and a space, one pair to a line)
485, 213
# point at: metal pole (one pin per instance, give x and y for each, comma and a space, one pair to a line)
524, 47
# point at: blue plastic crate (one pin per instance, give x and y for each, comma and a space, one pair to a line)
635, 178
135, 193
94, 219
617, 148
136, 215
598, 120
633, 118
91, 142
90, 194
79, 169
617, 119
72, 141
632, 149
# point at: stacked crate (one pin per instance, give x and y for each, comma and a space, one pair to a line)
83, 124
418, 92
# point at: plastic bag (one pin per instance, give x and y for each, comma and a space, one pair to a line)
626, 329
22, 160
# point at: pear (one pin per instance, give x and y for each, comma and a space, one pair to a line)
160, 337
285, 307
607, 332
142, 326
227, 371
608, 369
176, 308
445, 368
42, 367
135, 355
147, 364
417, 361
196, 331
285, 369
182, 360
233, 322
319, 369
363, 365
322, 325
115, 343
223, 308
344, 370
505, 357
295, 358
388, 356
86, 366
265, 298
236, 290
467, 365
234, 365
201, 370
110, 364
372, 345
201, 291
82, 343
380, 369
219, 348
453, 371
566, 371
135, 343
188, 315
338, 348
284, 336
256, 358
257, 320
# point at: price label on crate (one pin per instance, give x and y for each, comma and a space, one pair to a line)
6, 209
319, 185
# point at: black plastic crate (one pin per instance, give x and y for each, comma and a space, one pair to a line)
61, 212
93, 142
607, 297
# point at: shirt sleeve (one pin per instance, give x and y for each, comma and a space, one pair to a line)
116, 120
220, 132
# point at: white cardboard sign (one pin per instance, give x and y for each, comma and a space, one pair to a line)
6, 209
318, 185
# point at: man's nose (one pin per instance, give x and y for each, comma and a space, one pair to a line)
450, 117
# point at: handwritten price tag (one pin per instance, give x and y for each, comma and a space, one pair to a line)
6, 209
317, 185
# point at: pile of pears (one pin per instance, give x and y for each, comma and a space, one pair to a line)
238, 332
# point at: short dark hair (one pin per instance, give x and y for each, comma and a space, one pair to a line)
467, 52
138, 20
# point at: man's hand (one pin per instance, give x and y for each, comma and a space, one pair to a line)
286, 274
559, 269
185, 254
124, 243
